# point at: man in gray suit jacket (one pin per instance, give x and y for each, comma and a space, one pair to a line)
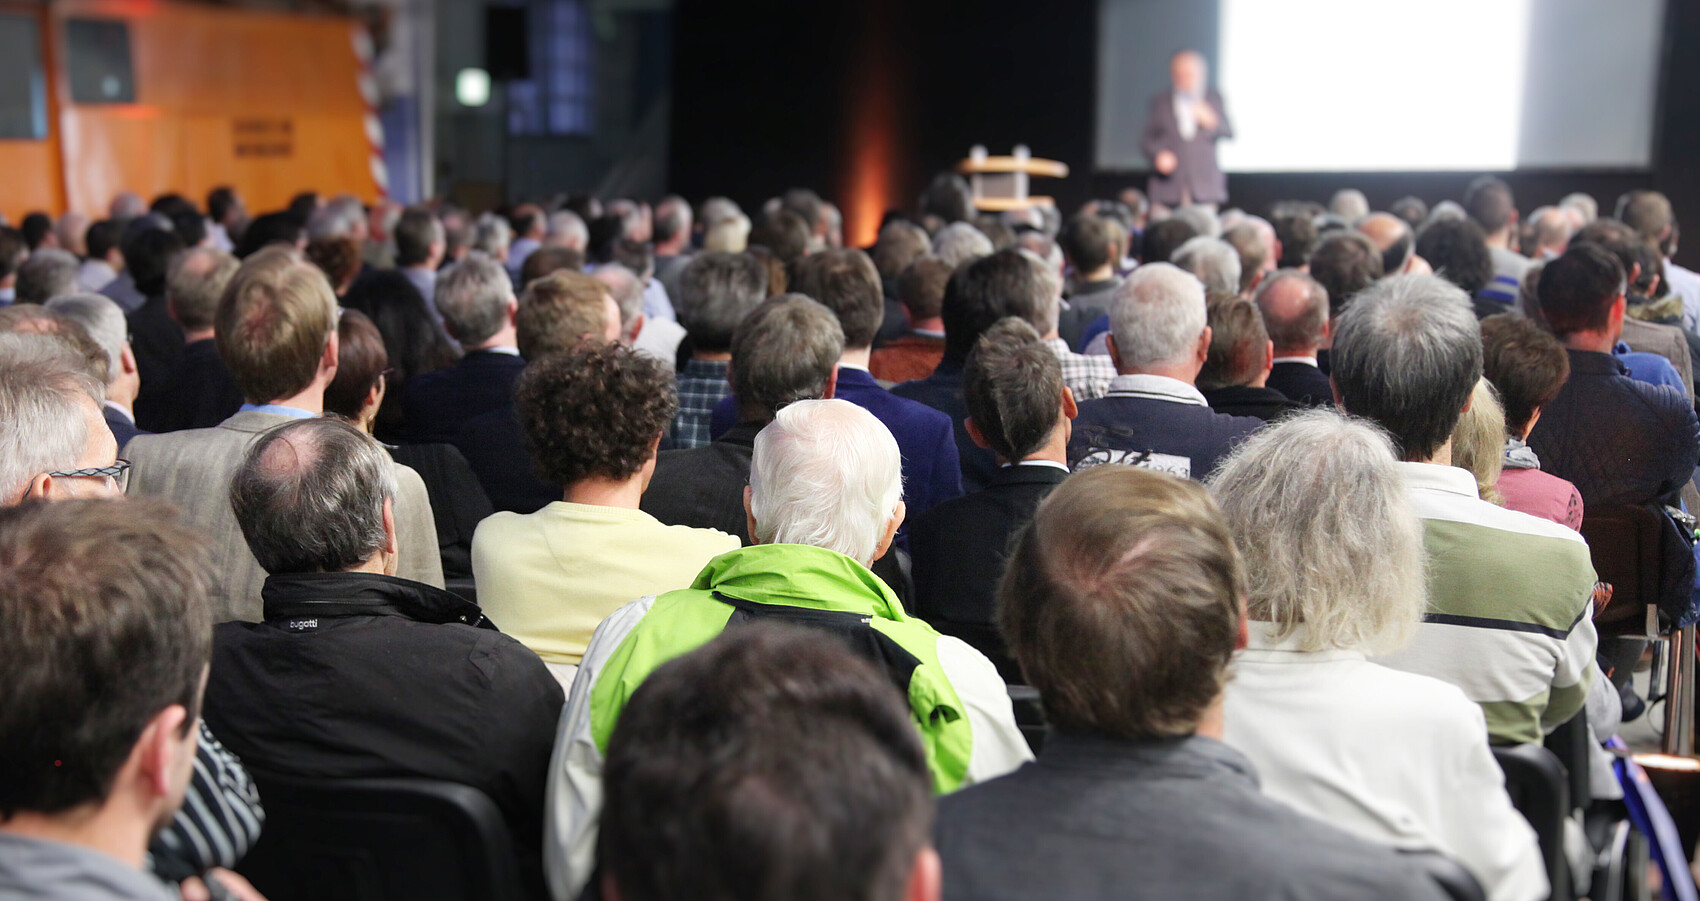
276, 328
1181, 132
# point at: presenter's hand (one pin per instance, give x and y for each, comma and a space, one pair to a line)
1206, 116
1165, 162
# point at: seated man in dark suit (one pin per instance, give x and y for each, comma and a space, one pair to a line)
434, 689
156, 339
785, 350
1153, 416
1235, 376
1619, 441
477, 301
1295, 314
978, 295
557, 312
1124, 602
1020, 409
206, 393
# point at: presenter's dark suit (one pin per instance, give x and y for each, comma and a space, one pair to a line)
1196, 176
438, 403
1302, 382
959, 549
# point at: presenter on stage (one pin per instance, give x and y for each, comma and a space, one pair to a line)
1181, 132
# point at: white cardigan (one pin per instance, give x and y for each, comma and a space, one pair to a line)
1389, 756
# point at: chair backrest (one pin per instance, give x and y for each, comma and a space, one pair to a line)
1029, 715
380, 840
1570, 743
1624, 541
1540, 790
1449, 874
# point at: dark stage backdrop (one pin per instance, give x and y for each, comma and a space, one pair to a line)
866, 100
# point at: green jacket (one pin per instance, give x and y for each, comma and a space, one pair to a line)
790, 575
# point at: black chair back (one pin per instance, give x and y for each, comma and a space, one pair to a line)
1540, 790
380, 840
1449, 874
1570, 744
1624, 541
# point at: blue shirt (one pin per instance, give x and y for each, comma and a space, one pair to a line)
279, 409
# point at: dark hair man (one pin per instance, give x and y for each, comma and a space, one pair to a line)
799, 753
1407, 355
1124, 602
1019, 408
1235, 377
1489, 204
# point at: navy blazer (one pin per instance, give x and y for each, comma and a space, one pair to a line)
931, 469
122, 428
1302, 382
494, 446
1179, 438
943, 392
438, 403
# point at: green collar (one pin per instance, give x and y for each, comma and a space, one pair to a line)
799, 575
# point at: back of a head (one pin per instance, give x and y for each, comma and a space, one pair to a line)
595, 411
949, 198
13, 251
107, 627
784, 233
1457, 250
560, 311
784, 351
266, 230
1406, 355
1162, 239
959, 243
415, 342
1345, 263
716, 291
1013, 388
1586, 207
104, 322
473, 298
70, 334
1552, 228
1085, 240
806, 204
195, 284
491, 234
1577, 289
1349, 204
1295, 311
1239, 343
764, 766
273, 324
845, 282
416, 232
147, 255
360, 361
1649, 214
48, 273
548, 259
309, 496
1122, 602
1319, 512
103, 237
1411, 209
981, 293
898, 246
1393, 236
1489, 204
1157, 316
672, 218
1297, 233
623, 284
1525, 363
340, 258
825, 473
35, 228
46, 395
1247, 242
1213, 261
921, 287
1627, 246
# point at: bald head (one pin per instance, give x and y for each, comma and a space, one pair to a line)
1295, 312
1392, 236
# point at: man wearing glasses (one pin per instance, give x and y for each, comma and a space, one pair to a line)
54, 443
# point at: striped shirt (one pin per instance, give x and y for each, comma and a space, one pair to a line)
219, 821
1510, 605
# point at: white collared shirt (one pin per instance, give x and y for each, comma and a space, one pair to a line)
1156, 387
508, 349
122, 411
1308, 361
1186, 120
1051, 463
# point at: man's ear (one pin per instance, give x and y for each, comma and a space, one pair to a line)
39, 488
977, 436
891, 529
1202, 352
127, 359
1070, 409
831, 384
926, 877
749, 517
1339, 400
1115, 353
392, 545
171, 309
328, 362
635, 329
158, 754
1268, 357
513, 309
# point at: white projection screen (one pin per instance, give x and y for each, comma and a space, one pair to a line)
1395, 85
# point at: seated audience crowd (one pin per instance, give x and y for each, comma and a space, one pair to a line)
1015, 556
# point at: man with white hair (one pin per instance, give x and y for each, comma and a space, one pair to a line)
53, 442
1212, 261
1550, 231
48, 273
1153, 416
1349, 204
824, 500
104, 322
478, 305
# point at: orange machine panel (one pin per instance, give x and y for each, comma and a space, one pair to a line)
267, 102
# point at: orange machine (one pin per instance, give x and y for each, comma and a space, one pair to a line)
152, 96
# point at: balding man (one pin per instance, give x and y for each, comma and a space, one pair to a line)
1154, 416
1550, 229
1181, 131
1295, 313
1394, 238
824, 500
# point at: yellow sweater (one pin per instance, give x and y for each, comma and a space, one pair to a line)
549, 578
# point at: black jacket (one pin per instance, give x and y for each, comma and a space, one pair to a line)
458, 501
206, 392
438, 403
355, 675
1266, 404
157, 341
1619, 441
960, 547
494, 446
703, 487
1302, 382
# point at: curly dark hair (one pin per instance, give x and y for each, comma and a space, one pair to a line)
594, 411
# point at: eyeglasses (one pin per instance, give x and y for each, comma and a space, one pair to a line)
118, 472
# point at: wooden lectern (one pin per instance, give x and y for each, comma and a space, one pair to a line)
1000, 182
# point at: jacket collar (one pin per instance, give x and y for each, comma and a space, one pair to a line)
1590, 362
1165, 758
1028, 475
254, 421
1156, 387
856, 377
292, 595
743, 434
1434, 477
799, 575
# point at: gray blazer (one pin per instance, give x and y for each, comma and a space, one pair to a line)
1196, 169
193, 469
